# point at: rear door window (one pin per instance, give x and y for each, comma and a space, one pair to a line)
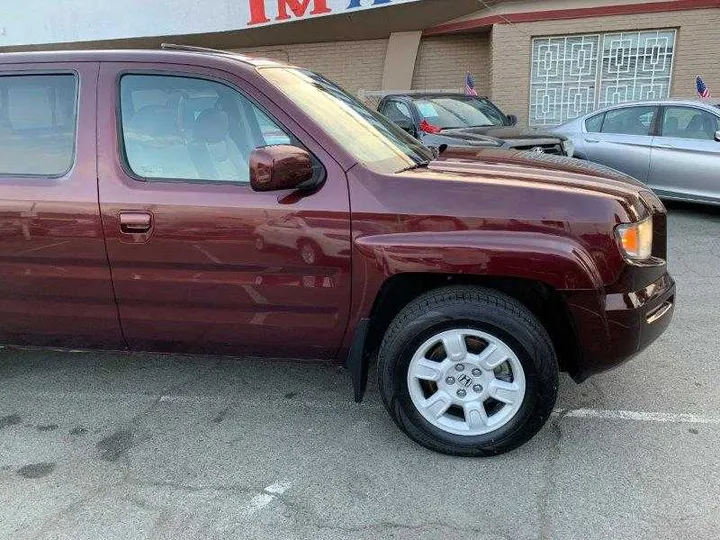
38, 118
594, 123
630, 121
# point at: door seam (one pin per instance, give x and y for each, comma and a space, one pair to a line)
100, 213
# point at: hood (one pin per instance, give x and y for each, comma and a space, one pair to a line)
470, 164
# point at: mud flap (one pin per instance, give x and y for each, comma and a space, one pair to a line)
357, 362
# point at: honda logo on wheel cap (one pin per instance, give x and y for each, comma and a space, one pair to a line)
465, 380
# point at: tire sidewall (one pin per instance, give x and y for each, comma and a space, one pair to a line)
540, 390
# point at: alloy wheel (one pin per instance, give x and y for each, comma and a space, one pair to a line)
466, 382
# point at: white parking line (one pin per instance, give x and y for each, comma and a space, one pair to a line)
232, 520
278, 488
639, 416
269, 494
602, 414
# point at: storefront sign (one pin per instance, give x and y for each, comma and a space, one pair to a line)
270, 11
37, 22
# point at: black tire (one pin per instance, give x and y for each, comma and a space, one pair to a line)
489, 311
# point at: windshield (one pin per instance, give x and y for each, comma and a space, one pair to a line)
448, 112
373, 140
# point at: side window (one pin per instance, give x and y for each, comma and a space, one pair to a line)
397, 110
630, 120
689, 123
38, 115
594, 123
271, 133
184, 128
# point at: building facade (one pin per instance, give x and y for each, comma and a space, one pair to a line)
545, 61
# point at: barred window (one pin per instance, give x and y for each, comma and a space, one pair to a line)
573, 75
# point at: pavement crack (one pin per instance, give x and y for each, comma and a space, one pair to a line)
54, 520
386, 526
174, 389
311, 519
229, 488
128, 432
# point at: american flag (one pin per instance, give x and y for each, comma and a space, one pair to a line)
470, 85
702, 89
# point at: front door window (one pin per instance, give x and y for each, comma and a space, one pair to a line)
182, 128
689, 123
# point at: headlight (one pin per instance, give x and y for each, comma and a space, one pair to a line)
636, 238
568, 147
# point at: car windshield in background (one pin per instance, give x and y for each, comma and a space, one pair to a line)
373, 140
451, 112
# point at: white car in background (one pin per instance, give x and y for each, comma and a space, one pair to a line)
673, 146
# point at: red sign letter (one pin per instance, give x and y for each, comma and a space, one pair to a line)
299, 7
257, 12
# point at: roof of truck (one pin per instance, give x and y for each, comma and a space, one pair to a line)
173, 54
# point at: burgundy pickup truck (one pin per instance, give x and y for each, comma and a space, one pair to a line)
198, 201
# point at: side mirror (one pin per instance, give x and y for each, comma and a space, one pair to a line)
274, 168
717, 136
512, 119
406, 125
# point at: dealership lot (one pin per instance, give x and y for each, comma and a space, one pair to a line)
151, 446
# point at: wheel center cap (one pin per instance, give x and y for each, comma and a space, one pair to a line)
464, 380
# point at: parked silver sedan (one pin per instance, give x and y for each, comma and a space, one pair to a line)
673, 146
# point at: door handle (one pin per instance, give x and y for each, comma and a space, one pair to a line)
592, 140
664, 146
135, 222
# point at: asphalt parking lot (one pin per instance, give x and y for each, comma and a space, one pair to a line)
105, 446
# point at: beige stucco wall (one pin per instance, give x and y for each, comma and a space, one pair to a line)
443, 62
697, 51
355, 65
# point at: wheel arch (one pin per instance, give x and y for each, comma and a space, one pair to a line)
393, 269
396, 292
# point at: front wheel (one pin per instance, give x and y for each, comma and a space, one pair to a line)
468, 371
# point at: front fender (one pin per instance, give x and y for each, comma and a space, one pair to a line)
559, 261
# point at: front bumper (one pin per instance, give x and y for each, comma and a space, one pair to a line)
613, 327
